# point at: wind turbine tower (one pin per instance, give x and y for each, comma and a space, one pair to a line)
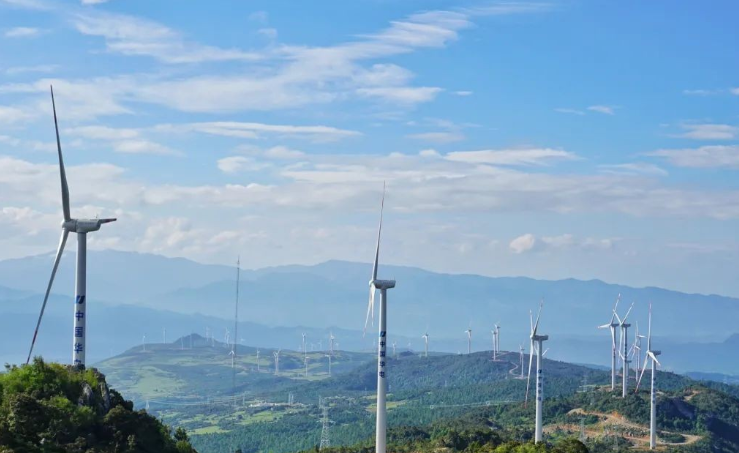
426, 344
651, 354
383, 286
497, 339
624, 352
395, 354
537, 344
81, 227
143, 342
469, 340
331, 339
495, 357
612, 324
305, 351
258, 370
277, 361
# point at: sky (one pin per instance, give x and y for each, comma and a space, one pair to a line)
564, 139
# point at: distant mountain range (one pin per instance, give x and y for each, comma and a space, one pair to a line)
131, 294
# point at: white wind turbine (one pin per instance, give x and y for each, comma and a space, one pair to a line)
497, 339
536, 347
383, 286
651, 354
143, 342
277, 361
426, 344
636, 352
469, 340
258, 361
612, 324
331, 339
81, 227
495, 354
624, 353
395, 354
305, 351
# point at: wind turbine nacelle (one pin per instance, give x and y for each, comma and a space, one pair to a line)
84, 225
383, 284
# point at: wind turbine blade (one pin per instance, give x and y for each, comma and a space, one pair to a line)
531, 321
538, 316
605, 326
59, 252
654, 357
528, 378
613, 338
617, 317
638, 382
62, 173
379, 232
628, 312
370, 310
649, 329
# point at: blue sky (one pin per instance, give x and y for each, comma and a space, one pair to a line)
585, 139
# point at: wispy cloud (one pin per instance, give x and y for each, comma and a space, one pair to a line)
22, 32
716, 156
438, 137
528, 156
569, 111
634, 168
130, 35
605, 109
529, 243
463, 93
237, 164
44, 68
709, 131
254, 130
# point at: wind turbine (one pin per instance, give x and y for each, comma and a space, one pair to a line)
612, 324
394, 346
143, 342
624, 353
383, 286
651, 354
497, 338
277, 361
495, 357
469, 340
331, 339
536, 346
258, 361
636, 352
305, 351
426, 341
236, 325
81, 227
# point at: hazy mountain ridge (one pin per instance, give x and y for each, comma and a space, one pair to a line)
149, 293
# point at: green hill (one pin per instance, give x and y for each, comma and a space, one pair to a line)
47, 407
192, 389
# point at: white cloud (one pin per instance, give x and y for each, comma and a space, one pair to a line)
734, 91
569, 111
269, 33
93, 2
715, 156
22, 32
522, 243
401, 95
131, 35
463, 93
429, 153
634, 168
102, 132
709, 131
527, 156
529, 243
254, 130
142, 146
605, 109
700, 92
10, 115
17, 70
438, 137
236, 164
283, 152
